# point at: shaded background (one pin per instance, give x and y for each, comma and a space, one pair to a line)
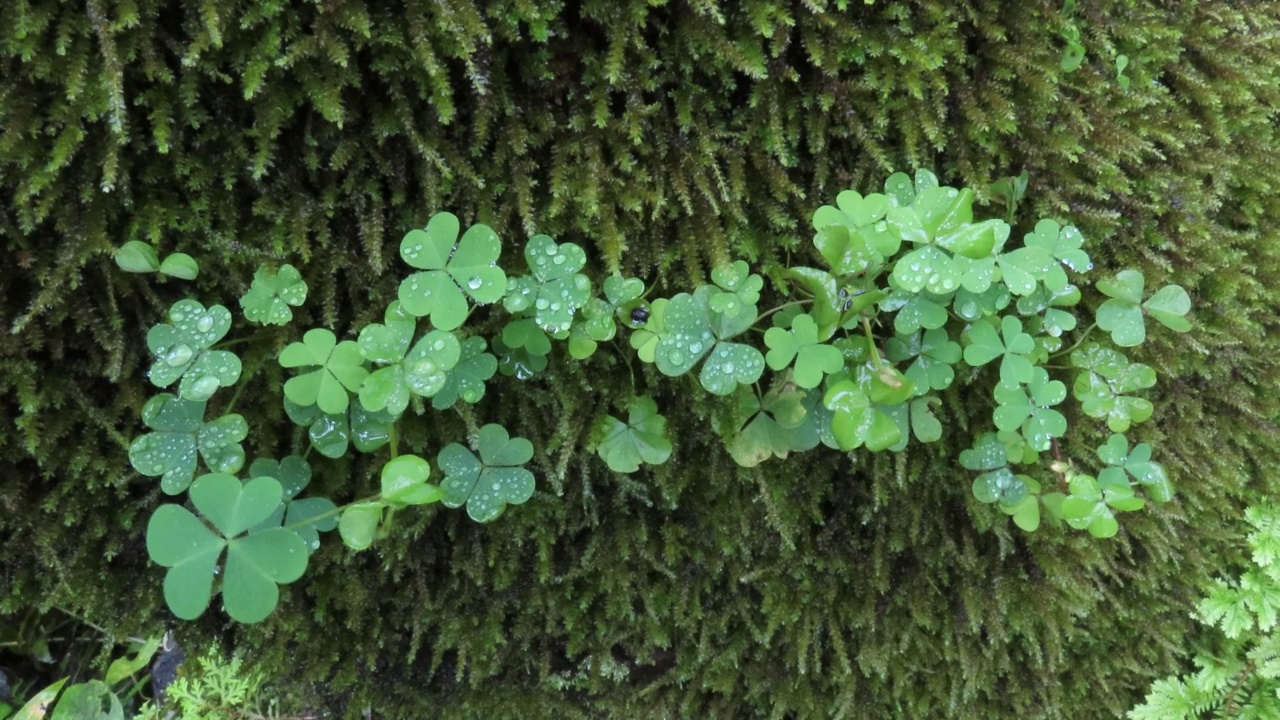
663, 137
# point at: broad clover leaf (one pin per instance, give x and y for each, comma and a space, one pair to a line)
645, 339
973, 306
784, 421
358, 525
136, 256
1030, 409
934, 354
857, 418
556, 290
598, 321
852, 236
182, 350
1090, 506
339, 368
490, 482
517, 362
422, 371
692, 331
813, 360
1122, 462
1101, 388
1040, 260
468, 377
998, 483
271, 294
1122, 315
1044, 303
255, 564
331, 434
307, 517
181, 433
452, 269
915, 310
404, 482
1011, 344
641, 439
741, 290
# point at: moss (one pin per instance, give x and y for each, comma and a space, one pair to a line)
663, 138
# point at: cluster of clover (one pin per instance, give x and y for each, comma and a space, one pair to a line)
911, 264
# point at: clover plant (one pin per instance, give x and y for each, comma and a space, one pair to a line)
904, 296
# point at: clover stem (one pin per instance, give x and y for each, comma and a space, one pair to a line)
243, 340
783, 306
871, 343
394, 439
377, 497
1077, 344
234, 397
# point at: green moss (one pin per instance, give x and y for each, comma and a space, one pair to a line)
663, 139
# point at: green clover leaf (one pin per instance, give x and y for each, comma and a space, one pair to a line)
468, 377
1000, 485
1025, 512
358, 525
645, 339
339, 369
556, 289
452, 269
741, 290
927, 268
989, 452
1023, 269
181, 351
1053, 321
731, 365
306, 517
517, 362
853, 237
976, 242
1090, 506
641, 439
269, 298
1063, 244
782, 423
1029, 409
423, 371
1102, 388
256, 563
136, 256
689, 335
331, 434
490, 482
1136, 464
181, 433
180, 265
915, 418
915, 311
812, 358
856, 419
1122, 315
934, 353
1011, 344
973, 306
404, 482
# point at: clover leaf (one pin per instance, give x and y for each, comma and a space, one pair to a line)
256, 563
271, 294
181, 433
934, 353
1025, 268
136, 256
641, 439
452, 269
812, 358
359, 524
180, 265
182, 350
973, 306
857, 418
741, 290
1102, 388
998, 483
1122, 315
645, 339
1063, 244
517, 362
785, 420
915, 418
1090, 506
1136, 464
331, 434
689, 335
1053, 321
404, 482
1030, 410
556, 290
466, 380
339, 369
490, 482
853, 237
423, 371
306, 517
1011, 344
928, 267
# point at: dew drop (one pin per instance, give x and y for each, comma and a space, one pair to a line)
205, 324
728, 368
558, 259
676, 357
551, 250
475, 282
541, 304
882, 226
179, 355
437, 345
695, 348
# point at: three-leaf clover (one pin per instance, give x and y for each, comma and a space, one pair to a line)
331, 434
915, 311
1122, 315
741, 289
422, 371
466, 380
997, 483
556, 290
490, 482
271, 294
255, 562
404, 482
852, 236
934, 353
339, 368
1030, 409
182, 350
1122, 462
812, 358
309, 516
452, 269
1062, 244
181, 433
689, 335
1102, 388
1011, 344
1090, 506
785, 420
517, 362
857, 417
1043, 300
641, 439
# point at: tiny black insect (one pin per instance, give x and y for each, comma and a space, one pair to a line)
639, 315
